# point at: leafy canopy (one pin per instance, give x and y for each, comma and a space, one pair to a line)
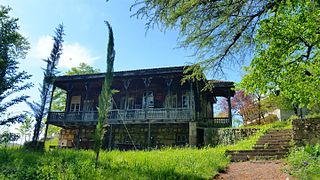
13, 46
287, 56
216, 30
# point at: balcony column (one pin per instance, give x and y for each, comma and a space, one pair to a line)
126, 84
229, 108
147, 82
168, 83
68, 97
50, 104
191, 99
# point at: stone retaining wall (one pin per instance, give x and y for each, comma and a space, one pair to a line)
306, 131
225, 136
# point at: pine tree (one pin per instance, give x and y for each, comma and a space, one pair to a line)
40, 109
12, 47
105, 96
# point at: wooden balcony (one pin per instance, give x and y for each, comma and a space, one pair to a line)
118, 116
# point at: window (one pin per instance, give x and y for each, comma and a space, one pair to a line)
75, 103
185, 101
171, 101
130, 103
149, 98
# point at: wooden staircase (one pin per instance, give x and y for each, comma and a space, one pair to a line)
275, 144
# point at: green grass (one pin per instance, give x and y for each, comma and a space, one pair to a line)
168, 163
51, 142
304, 162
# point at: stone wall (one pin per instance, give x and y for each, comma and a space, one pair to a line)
161, 135
225, 136
306, 131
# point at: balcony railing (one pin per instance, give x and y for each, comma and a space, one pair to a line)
137, 115
177, 114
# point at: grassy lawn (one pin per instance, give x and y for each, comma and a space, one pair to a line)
168, 163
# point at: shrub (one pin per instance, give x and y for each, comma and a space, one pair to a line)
304, 162
36, 146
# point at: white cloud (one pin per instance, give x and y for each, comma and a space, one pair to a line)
73, 53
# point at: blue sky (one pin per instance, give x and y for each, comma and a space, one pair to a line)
86, 37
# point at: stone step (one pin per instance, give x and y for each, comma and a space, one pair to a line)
275, 144
274, 139
258, 151
279, 130
277, 136
269, 141
272, 146
238, 158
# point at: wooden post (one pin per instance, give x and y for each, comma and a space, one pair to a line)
149, 134
168, 82
78, 138
126, 84
46, 132
110, 138
50, 104
229, 109
147, 82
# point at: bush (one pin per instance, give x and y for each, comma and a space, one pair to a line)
304, 162
35, 146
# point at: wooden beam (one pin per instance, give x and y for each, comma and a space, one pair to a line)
110, 138
229, 109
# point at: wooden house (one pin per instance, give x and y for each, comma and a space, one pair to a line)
151, 108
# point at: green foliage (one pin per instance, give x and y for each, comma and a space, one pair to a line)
287, 54
315, 115
83, 68
25, 129
12, 47
216, 30
7, 137
51, 142
105, 96
34, 146
304, 162
40, 109
168, 163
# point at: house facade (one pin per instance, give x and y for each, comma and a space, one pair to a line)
150, 108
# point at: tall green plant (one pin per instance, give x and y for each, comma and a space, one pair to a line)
40, 109
13, 46
105, 96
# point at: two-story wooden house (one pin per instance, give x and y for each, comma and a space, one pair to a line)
150, 109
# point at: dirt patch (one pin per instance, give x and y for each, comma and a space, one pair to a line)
257, 170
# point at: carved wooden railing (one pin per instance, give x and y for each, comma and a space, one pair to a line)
123, 115
219, 122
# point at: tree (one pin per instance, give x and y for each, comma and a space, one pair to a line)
13, 46
287, 59
105, 96
83, 68
243, 105
59, 97
7, 137
216, 30
25, 129
40, 109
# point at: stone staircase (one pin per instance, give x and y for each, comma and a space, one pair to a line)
275, 144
